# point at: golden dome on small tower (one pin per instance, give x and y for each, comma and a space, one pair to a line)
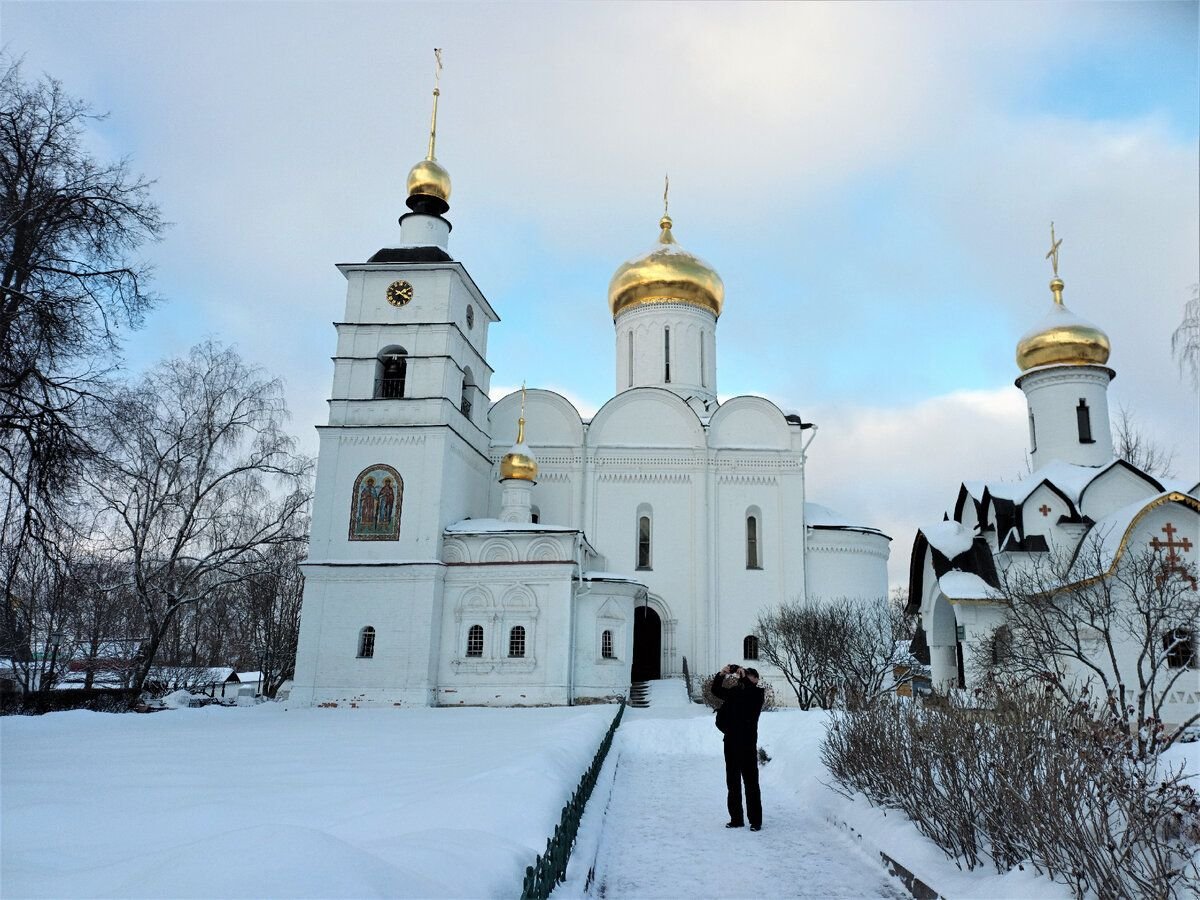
667, 274
519, 462
1062, 339
429, 178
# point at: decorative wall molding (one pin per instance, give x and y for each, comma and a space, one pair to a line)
746, 478
381, 440
646, 477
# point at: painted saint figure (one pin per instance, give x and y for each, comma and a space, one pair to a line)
375, 505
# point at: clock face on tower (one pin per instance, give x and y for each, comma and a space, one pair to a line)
399, 293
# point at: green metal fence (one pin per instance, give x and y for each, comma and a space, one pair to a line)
550, 868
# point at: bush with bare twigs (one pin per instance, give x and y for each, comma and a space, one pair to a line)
1021, 777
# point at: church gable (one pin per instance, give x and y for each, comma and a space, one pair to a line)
646, 418
553, 420
749, 422
1120, 484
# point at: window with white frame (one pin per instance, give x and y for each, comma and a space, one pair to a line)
516, 641
643, 542
606, 645
366, 643
753, 554
749, 647
475, 640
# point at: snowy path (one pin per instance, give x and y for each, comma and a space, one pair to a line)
664, 836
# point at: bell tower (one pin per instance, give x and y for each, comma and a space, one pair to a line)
1065, 381
405, 453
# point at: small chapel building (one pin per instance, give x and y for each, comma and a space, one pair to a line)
517, 553
1080, 504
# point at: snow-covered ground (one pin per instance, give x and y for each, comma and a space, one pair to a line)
664, 834
268, 802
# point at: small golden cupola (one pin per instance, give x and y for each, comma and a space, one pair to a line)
428, 180
667, 274
1062, 338
519, 462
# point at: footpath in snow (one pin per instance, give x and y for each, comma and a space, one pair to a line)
656, 824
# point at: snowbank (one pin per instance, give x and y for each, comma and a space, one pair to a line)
269, 802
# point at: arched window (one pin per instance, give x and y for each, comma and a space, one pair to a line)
667, 354
703, 374
630, 358
468, 388
1180, 647
475, 640
643, 542
391, 370
366, 643
749, 647
1083, 417
535, 514
470, 316
753, 554
1032, 433
516, 641
606, 645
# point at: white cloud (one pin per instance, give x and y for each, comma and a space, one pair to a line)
898, 468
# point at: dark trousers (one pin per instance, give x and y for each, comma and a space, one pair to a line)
741, 767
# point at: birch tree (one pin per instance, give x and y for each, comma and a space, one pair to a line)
199, 482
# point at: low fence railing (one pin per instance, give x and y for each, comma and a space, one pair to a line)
550, 868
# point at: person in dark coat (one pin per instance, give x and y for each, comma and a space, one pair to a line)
738, 721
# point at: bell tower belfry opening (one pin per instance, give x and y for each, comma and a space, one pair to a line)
647, 645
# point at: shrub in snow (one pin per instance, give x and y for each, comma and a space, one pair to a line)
1023, 777
832, 651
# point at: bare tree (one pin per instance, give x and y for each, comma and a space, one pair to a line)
1185, 340
830, 650
70, 226
270, 607
1133, 446
1124, 633
199, 482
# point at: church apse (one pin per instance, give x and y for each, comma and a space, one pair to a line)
375, 504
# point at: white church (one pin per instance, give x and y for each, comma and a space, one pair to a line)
518, 553
1079, 503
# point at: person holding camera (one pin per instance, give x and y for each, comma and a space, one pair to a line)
737, 719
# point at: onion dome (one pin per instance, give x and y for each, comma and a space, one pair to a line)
667, 274
519, 462
1062, 339
429, 178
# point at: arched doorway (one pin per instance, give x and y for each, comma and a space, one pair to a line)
647, 645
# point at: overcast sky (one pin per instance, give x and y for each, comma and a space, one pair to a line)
874, 183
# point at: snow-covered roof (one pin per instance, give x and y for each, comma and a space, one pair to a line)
950, 539
818, 516
1068, 478
1110, 531
496, 526
609, 576
248, 677
965, 586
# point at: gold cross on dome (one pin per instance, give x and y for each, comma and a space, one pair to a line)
1052, 255
666, 193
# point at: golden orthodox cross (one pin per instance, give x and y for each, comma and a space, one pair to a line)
1053, 254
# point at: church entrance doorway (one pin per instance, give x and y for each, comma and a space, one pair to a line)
647, 645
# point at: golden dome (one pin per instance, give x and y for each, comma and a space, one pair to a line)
1062, 339
519, 462
428, 178
667, 274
